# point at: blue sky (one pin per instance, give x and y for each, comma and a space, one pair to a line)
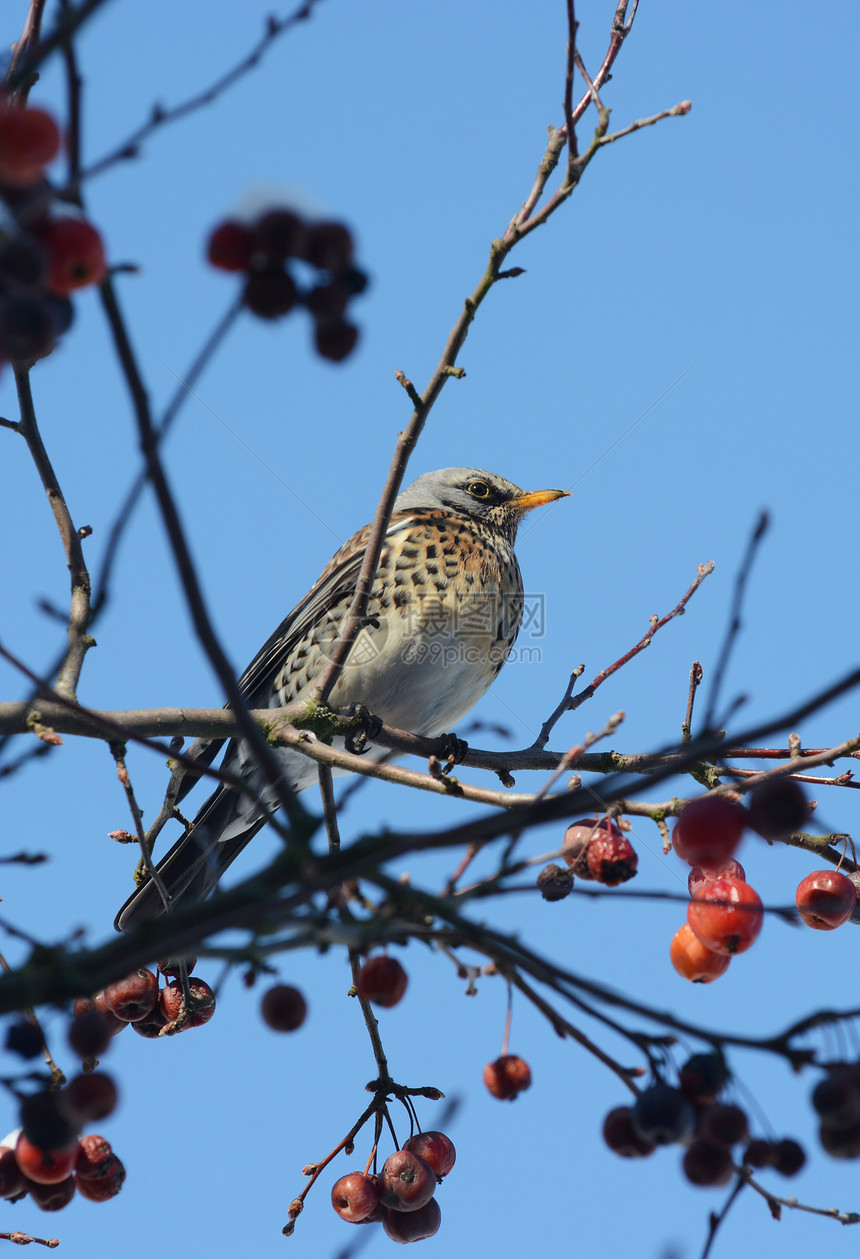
697, 300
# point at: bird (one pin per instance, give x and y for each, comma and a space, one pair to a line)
444, 611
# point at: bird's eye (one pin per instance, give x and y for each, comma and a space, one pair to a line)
479, 489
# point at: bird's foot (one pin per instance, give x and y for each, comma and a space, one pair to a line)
368, 725
452, 751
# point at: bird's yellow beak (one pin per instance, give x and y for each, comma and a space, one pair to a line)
536, 498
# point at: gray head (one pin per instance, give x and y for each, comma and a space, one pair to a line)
474, 492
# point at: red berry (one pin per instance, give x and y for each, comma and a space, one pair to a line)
702, 1077
759, 1153
700, 875
826, 899
45, 1166
692, 960
83, 1005
76, 256
11, 1176
724, 1124
134, 997
789, 1157
270, 294
611, 858
708, 831
106, 1184
840, 1142
706, 1164
172, 966
336, 340
283, 1008
230, 246
29, 140
836, 1098
90, 1034
152, 1024
203, 1001
280, 234
577, 839
354, 1197
327, 301
27, 328
414, 1226
52, 1197
329, 246
508, 1076
661, 1115
382, 980
777, 807
435, 1148
726, 916
621, 1137
89, 1098
406, 1182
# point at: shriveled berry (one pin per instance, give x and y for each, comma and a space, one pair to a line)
661, 1115
94, 1156
132, 998
576, 841
406, 1182
554, 883
777, 808
836, 1098
611, 858
22, 261
283, 1008
507, 1077
172, 966
202, 996
105, 1185
435, 1148
413, 1226
382, 980
151, 1025
354, 1197
622, 1138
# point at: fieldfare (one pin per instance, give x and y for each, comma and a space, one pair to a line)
444, 612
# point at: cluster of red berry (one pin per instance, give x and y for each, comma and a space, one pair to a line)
47, 1158
594, 850
692, 1115
263, 251
725, 915
152, 1012
43, 257
400, 1197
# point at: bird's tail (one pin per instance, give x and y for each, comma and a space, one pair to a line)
195, 863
